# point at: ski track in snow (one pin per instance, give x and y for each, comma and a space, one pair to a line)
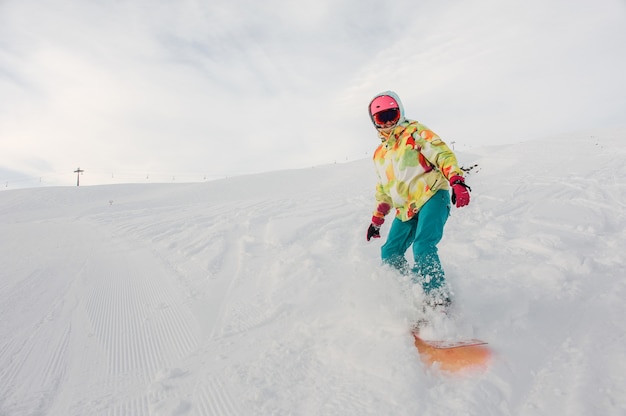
258, 295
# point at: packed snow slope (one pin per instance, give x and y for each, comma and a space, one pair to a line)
259, 295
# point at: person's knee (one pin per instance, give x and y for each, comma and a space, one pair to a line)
425, 246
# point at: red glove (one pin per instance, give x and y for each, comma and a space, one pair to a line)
460, 191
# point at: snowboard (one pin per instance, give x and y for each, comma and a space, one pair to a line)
453, 356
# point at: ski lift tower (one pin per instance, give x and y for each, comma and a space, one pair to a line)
78, 172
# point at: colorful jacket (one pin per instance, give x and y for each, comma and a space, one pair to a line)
412, 164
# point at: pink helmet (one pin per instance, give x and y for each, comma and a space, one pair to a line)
382, 103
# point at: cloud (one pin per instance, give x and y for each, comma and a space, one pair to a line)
221, 88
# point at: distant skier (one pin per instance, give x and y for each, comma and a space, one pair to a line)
415, 172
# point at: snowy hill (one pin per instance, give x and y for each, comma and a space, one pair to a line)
258, 295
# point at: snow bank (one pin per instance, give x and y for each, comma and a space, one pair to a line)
258, 295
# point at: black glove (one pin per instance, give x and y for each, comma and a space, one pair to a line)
373, 232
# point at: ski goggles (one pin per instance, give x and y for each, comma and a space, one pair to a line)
386, 116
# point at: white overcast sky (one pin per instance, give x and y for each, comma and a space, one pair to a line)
190, 88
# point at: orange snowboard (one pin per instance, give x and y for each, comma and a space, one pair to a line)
453, 356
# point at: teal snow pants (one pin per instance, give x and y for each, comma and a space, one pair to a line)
424, 232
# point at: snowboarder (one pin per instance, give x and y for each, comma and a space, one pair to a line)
416, 170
